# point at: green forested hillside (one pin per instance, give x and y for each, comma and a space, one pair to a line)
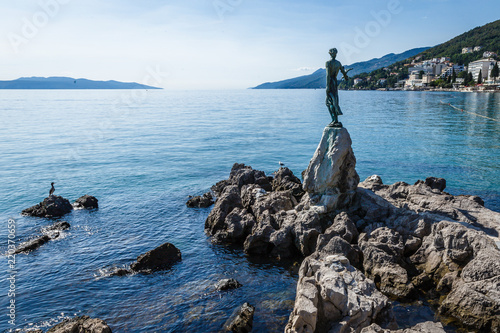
487, 36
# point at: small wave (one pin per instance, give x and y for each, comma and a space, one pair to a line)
46, 323
112, 271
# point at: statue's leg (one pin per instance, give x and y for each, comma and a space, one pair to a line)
331, 110
335, 118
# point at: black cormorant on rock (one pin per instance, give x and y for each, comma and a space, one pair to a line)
52, 189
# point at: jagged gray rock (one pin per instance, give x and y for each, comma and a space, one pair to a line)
432, 239
258, 212
383, 261
333, 296
241, 321
392, 239
464, 265
425, 327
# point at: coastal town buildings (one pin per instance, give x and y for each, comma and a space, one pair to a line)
453, 68
422, 73
482, 66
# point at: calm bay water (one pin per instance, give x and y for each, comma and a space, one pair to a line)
142, 153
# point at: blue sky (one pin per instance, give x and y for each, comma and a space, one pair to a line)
218, 44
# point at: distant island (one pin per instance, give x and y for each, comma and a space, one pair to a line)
68, 83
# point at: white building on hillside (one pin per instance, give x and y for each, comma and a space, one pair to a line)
449, 70
467, 50
482, 66
489, 54
357, 80
477, 48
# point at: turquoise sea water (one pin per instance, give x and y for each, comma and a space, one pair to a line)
141, 153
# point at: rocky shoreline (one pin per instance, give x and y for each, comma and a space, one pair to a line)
362, 245
365, 244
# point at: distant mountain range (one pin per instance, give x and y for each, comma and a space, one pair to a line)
317, 80
68, 83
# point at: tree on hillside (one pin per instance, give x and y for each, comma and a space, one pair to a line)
495, 72
453, 76
480, 77
469, 80
466, 80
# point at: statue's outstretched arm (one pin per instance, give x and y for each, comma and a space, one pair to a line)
344, 72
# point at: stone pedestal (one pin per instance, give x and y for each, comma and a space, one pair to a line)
330, 180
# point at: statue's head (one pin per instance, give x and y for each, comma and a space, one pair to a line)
333, 52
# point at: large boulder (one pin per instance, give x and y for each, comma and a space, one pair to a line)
83, 324
52, 206
464, 267
383, 261
86, 202
163, 257
333, 296
331, 179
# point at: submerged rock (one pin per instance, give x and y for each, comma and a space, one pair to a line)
58, 226
86, 202
32, 244
52, 206
227, 284
163, 257
83, 324
241, 321
203, 201
50, 232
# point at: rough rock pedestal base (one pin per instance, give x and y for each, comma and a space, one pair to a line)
330, 180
